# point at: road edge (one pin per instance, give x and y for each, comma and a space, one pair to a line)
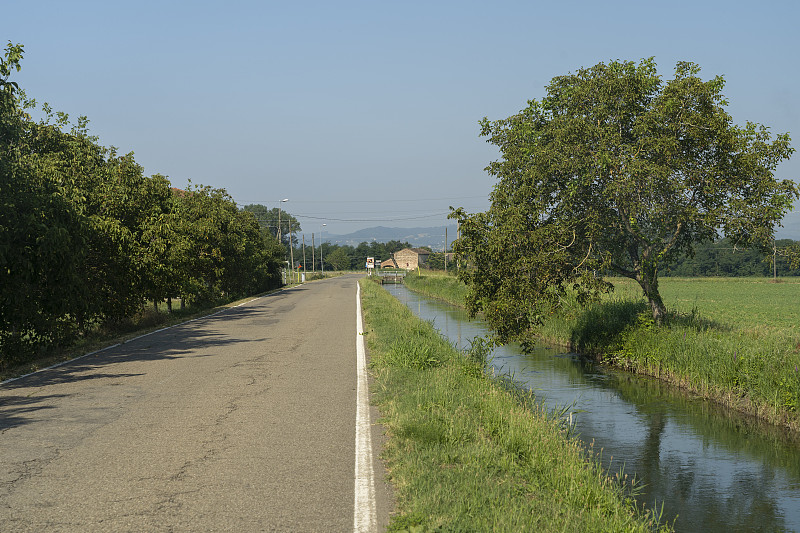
364, 505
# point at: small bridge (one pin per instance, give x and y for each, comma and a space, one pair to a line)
391, 277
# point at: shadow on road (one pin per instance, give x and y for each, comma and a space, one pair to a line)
197, 338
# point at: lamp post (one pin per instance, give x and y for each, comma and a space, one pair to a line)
279, 218
321, 240
279, 224
291, 248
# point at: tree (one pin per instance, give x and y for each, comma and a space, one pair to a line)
615, 171
268, 220
9, 62
339, 259
435, 261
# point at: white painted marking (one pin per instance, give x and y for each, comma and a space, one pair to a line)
364, 511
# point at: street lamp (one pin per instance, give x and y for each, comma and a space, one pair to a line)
291, 248
321, 240
279, 219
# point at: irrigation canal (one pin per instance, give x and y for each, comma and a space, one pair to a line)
710, 468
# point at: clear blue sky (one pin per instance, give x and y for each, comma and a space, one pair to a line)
369, 111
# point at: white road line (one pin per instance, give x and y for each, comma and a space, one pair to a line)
364, 511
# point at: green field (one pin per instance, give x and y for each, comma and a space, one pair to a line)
747, 304
734, 340
467, 452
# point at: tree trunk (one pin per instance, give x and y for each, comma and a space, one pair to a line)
155, 305
657, 306
648, 280
169, 304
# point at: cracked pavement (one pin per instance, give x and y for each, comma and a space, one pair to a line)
243, 421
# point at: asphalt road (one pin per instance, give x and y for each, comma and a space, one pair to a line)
243, 421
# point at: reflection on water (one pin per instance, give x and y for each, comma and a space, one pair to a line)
713, 470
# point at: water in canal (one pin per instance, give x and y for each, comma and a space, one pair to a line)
713, 470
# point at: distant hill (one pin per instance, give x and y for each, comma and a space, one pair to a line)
432, 237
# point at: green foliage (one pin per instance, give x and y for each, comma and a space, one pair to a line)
723, 258
435, 261
339, 260
792, 253
614, 170
480, 349
270, 219
221, 250
9, 63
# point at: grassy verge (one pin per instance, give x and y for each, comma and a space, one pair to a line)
437, 285
733, 340
467, 452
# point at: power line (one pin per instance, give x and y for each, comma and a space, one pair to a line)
371, 219
380, 201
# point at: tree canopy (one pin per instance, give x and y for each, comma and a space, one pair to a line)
615, 171
268, 220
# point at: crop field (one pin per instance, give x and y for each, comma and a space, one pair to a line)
745, 304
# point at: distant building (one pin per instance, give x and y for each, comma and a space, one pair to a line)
388, 263
411, 258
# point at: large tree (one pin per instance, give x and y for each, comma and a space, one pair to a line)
616, 171
339, 260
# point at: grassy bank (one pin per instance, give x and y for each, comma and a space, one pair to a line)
734, 340
466, 452
437, 285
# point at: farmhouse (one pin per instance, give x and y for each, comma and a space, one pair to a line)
411, 258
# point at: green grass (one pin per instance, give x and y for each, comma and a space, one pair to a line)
755, 304
467, 452
437, 284
734, 340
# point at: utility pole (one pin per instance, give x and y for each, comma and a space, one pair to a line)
291, 248
458, 236
445, 249
321, 242
279, 227
279, 219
